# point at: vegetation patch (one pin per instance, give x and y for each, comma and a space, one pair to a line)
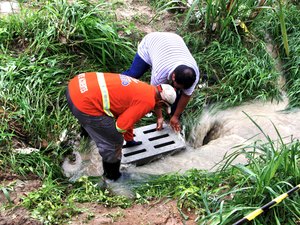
47, 43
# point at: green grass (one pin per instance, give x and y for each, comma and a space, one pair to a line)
220, 197
292, 62
216, 19
49, 42
55, 202
225, 196
41, 50
241, 74
38, 163
291, 38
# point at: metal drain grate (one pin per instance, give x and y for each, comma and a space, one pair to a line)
155, 145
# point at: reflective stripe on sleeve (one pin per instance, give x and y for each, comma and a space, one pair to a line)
120, 130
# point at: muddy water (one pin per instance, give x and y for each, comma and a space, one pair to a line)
215, 135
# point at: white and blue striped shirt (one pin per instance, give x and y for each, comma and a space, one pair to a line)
164, 51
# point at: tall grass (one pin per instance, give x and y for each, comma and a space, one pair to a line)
236, 61
81, 28
235, 31
290, 61
273, 169
281, 15
41, 49
34, 163
216, 19
241, 74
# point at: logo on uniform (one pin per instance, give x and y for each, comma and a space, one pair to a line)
126, 80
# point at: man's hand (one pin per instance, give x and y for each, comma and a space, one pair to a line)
175, 124
159, 123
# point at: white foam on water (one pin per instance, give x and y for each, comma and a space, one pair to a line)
80, 164
230, 129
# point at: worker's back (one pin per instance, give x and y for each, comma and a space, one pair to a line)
100, 93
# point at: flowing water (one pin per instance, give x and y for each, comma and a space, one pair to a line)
215, 135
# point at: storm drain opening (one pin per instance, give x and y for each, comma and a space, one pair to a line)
164, 144
213, 133
135, 152
155, 144
149, 131
158, 137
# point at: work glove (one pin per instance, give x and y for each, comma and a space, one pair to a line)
132, 143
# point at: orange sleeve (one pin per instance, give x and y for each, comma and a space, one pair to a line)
128, 118
128, 135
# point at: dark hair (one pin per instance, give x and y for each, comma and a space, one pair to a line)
185, 76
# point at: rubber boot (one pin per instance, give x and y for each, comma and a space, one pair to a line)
115, 182
111, 171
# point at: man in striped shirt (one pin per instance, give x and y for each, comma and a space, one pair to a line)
108, 105
171, 63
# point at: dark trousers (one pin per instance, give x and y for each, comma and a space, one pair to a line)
102, 129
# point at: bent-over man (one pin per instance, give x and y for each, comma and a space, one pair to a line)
108, 105
171, 62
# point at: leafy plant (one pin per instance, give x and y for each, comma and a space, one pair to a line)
285, 37
242, 74
41, 50
33, 163
55, 202
215, 20
48, 205
6, 190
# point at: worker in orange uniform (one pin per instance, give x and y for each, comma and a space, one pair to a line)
107, 106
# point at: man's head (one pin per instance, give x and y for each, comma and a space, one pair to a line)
167, 95
183, 77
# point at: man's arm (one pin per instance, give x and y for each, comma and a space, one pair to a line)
174, 121
159, 118
129, 117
